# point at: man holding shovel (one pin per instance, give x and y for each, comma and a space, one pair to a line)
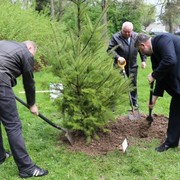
164, 50
16, 58
121, 46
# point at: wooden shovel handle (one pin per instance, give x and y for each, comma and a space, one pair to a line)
151, 92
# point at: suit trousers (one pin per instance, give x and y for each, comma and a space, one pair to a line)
173, 131
10, 119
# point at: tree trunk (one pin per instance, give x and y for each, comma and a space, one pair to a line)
52, 9
104, 18
60, 9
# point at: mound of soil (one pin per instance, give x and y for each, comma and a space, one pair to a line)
134, 131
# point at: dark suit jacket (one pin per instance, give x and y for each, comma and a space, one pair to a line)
16, 60
166, 63
119, 47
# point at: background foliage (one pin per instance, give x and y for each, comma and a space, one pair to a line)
25, 24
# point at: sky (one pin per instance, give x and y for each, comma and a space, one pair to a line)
151, 1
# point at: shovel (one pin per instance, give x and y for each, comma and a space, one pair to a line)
67, 133
133, 114
150, 118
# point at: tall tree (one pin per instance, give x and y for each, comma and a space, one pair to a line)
148, 14
171, 14
79, 5
104, 5
52, 9
125, 10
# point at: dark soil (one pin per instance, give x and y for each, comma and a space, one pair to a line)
135, 131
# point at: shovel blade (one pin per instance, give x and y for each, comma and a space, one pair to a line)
69, 137
134, 115
149, 119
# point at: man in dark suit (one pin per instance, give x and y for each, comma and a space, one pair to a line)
121, 46
164, 50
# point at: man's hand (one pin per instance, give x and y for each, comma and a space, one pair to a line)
34, 109
154, 98
150, 78
121, 60
143, 65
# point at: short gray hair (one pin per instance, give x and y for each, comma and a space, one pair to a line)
127, 24
31, 43
141, 38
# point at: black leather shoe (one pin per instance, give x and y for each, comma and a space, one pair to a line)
8, 154
163, 147
33, 172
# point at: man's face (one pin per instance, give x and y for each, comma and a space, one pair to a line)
126, 32
145, 49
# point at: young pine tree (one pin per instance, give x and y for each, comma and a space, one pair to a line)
91, 86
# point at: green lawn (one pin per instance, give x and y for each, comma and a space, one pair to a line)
140, 162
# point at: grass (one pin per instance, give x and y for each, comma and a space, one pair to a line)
140, 162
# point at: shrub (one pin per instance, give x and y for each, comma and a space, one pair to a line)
25, 24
